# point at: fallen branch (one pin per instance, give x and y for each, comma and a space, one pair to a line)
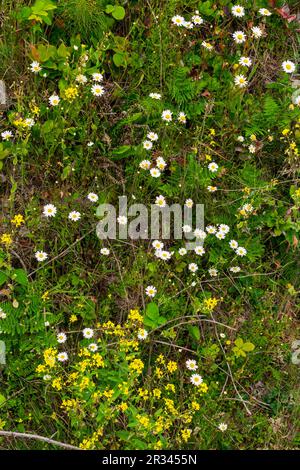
24, 435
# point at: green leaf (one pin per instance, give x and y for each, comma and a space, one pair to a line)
118, 13
2, 399
3, 278
239, 342
20, 276
63, 51
194, 332
248, 347
109, 8
119, 59
152, 311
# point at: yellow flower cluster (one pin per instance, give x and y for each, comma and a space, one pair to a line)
186, 434
70, 93
136, 366
211, 303
69, 404
50, 357
18, 220
90, 443
6, 239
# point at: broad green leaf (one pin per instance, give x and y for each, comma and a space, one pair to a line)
118, 13
20, 276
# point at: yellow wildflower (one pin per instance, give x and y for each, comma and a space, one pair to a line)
18, 220
137, 365
172, 366
186, 434
6, 239
57, 384
70, 93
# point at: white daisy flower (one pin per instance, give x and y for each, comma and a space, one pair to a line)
49, 210
257, 32
186, 228
97, 77
235, 269
252, 148
82, 79
288, 66
213, 167
207, 45
222, 427
151, 291
233, 244
220, 235
29, 122
158, 245
62, 357
74, 216
54, 100
41, 255
238, 11
6, 135
93, 347
197, 20
178, 20
240, 138
35, 67
160, 201
160, 163
193, 267
88, 333
155, 96
61, 338
213, 272
264, 12
147, 144
196, 379
181, 118
142, 334
92, 197
167, 115
199, 250
246, 61
212, 189
164, 255
188, 25
182, 251
191, 364
211, 229
97, 90
248, 207
152, 136
241, 251
189, 203
122, 220
240, 81
200, 234
224, 228
104, 251
239, 37
155, 173
145, 164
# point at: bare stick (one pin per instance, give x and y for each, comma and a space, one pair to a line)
24, 435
